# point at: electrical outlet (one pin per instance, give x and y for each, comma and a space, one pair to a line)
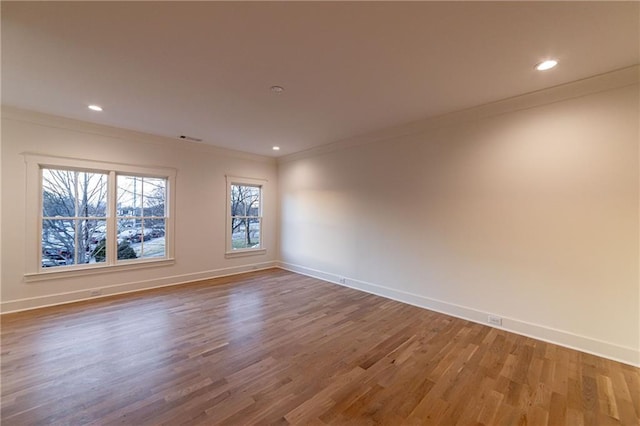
94, 293
342, 280
494, 320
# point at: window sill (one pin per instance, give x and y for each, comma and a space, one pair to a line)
84, 271
242, 253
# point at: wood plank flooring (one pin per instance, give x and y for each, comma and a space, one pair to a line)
273, 347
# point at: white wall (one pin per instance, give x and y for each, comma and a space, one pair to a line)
200, 210
527, 210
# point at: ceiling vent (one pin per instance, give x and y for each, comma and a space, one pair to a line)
189, 138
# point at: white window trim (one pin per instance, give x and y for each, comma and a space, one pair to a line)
34, 164
238, 180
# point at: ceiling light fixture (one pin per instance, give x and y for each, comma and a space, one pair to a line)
276, 148
277, 89
546, 65
95, 108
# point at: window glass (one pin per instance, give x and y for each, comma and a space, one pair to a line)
141, 217
74, 210
246, 216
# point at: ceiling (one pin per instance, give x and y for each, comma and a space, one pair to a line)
204, 69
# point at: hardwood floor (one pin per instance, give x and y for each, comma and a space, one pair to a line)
273, 347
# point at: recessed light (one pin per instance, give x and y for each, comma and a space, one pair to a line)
277, 89
276, 148
95, 108
546, 65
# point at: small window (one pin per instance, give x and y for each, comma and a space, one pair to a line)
244, 227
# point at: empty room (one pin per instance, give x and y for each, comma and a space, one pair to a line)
309, 213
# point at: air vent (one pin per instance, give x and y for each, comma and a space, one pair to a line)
189, 138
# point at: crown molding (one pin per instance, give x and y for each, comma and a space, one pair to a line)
603, 82
54, 121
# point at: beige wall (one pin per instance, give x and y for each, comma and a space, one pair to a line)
200, 210
531, 215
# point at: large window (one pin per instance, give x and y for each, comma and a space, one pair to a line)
141, 216
96, 215
244, 206
74, 216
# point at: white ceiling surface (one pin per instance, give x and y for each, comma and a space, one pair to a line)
204, 69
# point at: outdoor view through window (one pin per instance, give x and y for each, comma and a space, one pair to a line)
245, 217
75, 208
140, 210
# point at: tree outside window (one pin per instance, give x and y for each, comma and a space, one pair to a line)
246, 216
75, 211
74, 215
141, 217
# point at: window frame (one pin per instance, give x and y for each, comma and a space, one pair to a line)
230, 252
76, 218
35, 163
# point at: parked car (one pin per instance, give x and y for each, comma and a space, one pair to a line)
54, 251
53, 260
97, 237
47, 263
142, 235
127, 234
50, 251
138, 238
157, 232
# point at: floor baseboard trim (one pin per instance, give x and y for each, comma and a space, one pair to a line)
19, 305
567, 339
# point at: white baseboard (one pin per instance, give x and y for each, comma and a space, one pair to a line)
586, 344
626, 355
79, 295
